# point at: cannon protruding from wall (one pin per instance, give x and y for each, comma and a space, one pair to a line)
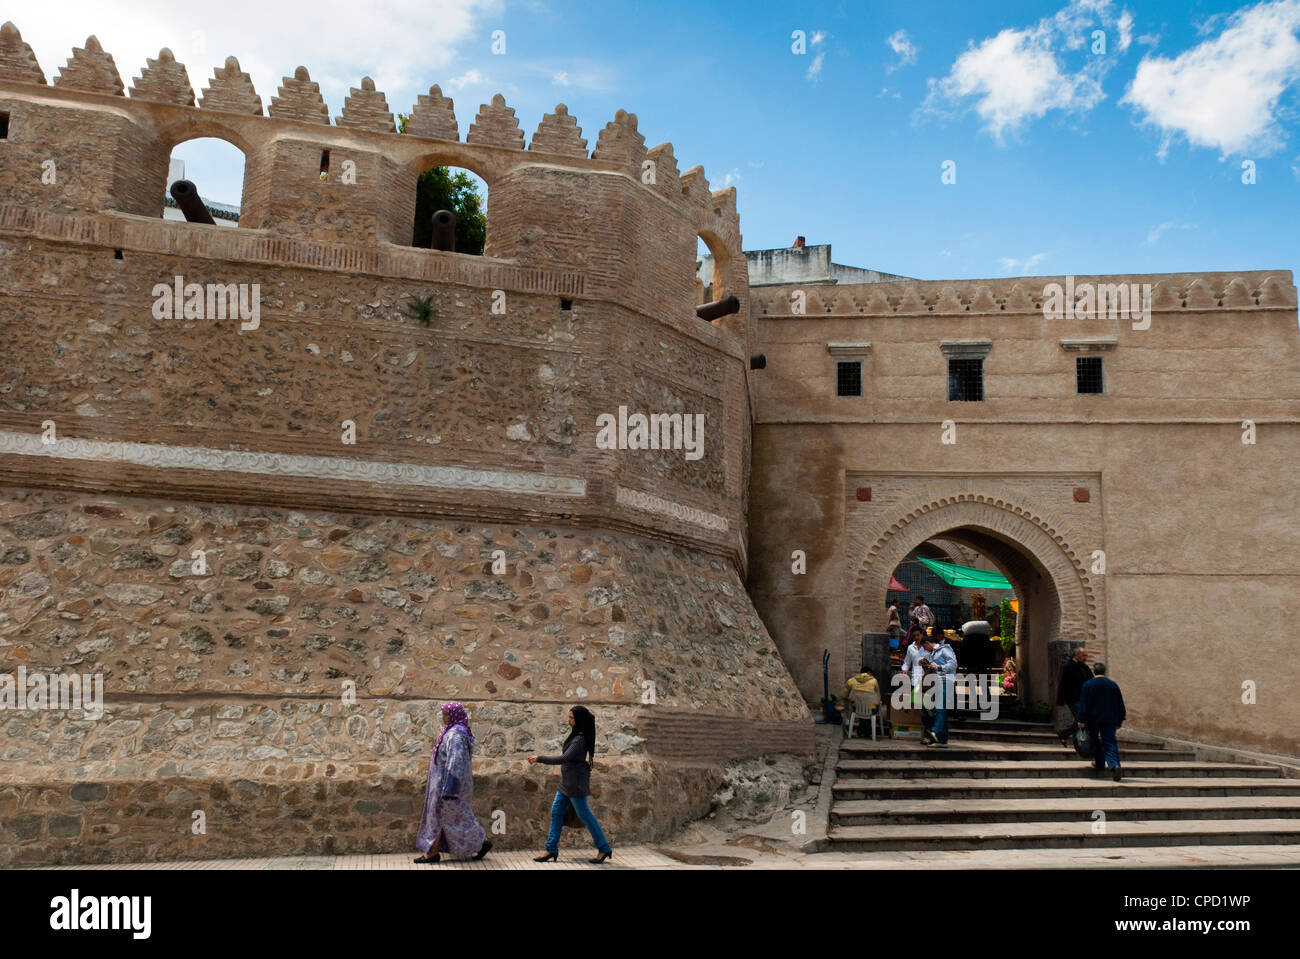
719, 308
186, 195
444, 231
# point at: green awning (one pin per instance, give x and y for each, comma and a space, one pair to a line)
966, 577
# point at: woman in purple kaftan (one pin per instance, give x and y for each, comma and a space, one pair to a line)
448, 824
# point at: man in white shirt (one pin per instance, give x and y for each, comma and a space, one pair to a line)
912, 658
912, 667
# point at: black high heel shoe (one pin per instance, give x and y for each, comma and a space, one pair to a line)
429, 860
549, 857
483, 850
601, 858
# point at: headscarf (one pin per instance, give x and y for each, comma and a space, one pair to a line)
459, 717
584, 725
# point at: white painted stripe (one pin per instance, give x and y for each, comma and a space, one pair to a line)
292, 464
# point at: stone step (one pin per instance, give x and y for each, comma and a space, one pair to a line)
1138, 807
1025, 768
1045, 787
1067, 835
973, 733
967, 718
853, 751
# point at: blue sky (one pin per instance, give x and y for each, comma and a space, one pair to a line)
1067, 159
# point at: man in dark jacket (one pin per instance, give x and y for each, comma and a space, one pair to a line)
1073, 675
1101, 710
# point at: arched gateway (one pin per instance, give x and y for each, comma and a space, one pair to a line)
1060, 597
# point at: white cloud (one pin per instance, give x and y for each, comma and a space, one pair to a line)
817, 39
1224, 93
815, 68
903, 46
560, 78
470, 78
1125, 26
1011, 265
405, 45
732, 178
1156, 232
1020, 75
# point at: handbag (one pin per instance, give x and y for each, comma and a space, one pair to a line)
1083, 743
571, 820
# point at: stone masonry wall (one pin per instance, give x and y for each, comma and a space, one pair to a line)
224, 692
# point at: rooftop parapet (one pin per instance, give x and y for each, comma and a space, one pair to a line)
1170, 292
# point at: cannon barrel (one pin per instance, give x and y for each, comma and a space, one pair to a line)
723, 307
444, 231
186, 195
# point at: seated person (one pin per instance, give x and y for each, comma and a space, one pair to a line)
863, 682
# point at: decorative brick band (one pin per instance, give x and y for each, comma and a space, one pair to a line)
289, 464
653, 504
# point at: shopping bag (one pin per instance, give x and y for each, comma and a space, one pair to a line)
1082, 743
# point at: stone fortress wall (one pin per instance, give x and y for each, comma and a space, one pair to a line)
371, 562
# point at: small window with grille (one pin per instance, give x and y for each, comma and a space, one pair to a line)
848, 378
1088, 374
965, 380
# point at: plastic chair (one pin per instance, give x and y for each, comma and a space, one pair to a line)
865, 706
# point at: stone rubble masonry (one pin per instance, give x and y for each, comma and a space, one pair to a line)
224, 692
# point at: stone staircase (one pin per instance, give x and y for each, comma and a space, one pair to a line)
1006, 784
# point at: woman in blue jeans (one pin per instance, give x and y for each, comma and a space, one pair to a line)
575, 785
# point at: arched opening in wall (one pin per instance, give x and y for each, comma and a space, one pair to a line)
215, 168
1054, 607
712, 270
460, 192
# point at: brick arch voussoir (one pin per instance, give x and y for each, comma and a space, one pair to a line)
1025, 526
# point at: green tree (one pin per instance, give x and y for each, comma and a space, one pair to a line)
440, 189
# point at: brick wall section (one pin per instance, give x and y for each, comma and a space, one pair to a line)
519, 390
696, 738
102, 161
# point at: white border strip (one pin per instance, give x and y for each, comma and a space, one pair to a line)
653, 504
292, 464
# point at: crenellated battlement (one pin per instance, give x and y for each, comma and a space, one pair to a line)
283, 146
